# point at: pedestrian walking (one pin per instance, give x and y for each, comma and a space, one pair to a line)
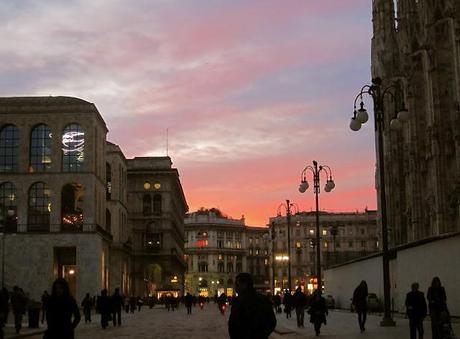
277, 303
45, 298
104, 308
317, 311
4, 307
416, 311
18, 304
62, 314
360, 304
117, 305
252, 315
139, 303
188, 301
439, 314
300, 302
87, 304
132, 304
287, 301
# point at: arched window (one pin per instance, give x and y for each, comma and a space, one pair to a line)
72, 197
73, 148
9, 148
157, 204
39, 207
8, 207
147, 204
40, 148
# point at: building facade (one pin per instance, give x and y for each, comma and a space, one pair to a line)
157, 208
218, 248
64, 208
416, 46
344, 236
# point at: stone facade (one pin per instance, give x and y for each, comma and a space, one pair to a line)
65, 208
344, 236
416, 45
157, 208
218, 248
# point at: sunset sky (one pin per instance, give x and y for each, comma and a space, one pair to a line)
251, 90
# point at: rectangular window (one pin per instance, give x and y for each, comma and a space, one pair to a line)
350, 244
324, 232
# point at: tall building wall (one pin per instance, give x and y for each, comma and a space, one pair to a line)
417, 44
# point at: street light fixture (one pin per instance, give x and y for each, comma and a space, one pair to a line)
378, 95
288, 206
329, 186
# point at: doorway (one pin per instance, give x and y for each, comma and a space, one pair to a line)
65, 266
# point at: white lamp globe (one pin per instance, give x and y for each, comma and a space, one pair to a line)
303, 186
355, 125
395, 124
362, 115
403, 115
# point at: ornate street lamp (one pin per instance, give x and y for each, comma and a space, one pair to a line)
330, 185
360, 116
288, 206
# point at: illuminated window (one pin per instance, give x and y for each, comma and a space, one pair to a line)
312, 231
324, 232
9, 148
325, 244
220, 257
40, 149
73, 148
8, 207
72, 207
154, 237
266, 261
298, 244
39, 207
257, 251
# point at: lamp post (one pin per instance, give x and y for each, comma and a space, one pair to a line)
316, 171
360, 116
288, 205
273, 257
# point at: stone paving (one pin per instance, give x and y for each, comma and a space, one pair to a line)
210, 324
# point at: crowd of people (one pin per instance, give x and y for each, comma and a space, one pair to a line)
252, 314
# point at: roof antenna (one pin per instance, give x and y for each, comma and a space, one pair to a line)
167, 142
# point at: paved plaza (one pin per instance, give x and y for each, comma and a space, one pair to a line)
210, 324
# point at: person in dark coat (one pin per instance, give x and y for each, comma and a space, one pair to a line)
87, 305
104, 306
132, 304
287, 301
300, 302
139, 303
62, 315
252, 315
360, 303
188, 301
45, 298
277, 303
18, 304
437, 303
416, 311
117, 305
317, 311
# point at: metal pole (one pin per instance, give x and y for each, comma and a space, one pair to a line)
318, 243
378, 116
3, 259
288, 217
273, 257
